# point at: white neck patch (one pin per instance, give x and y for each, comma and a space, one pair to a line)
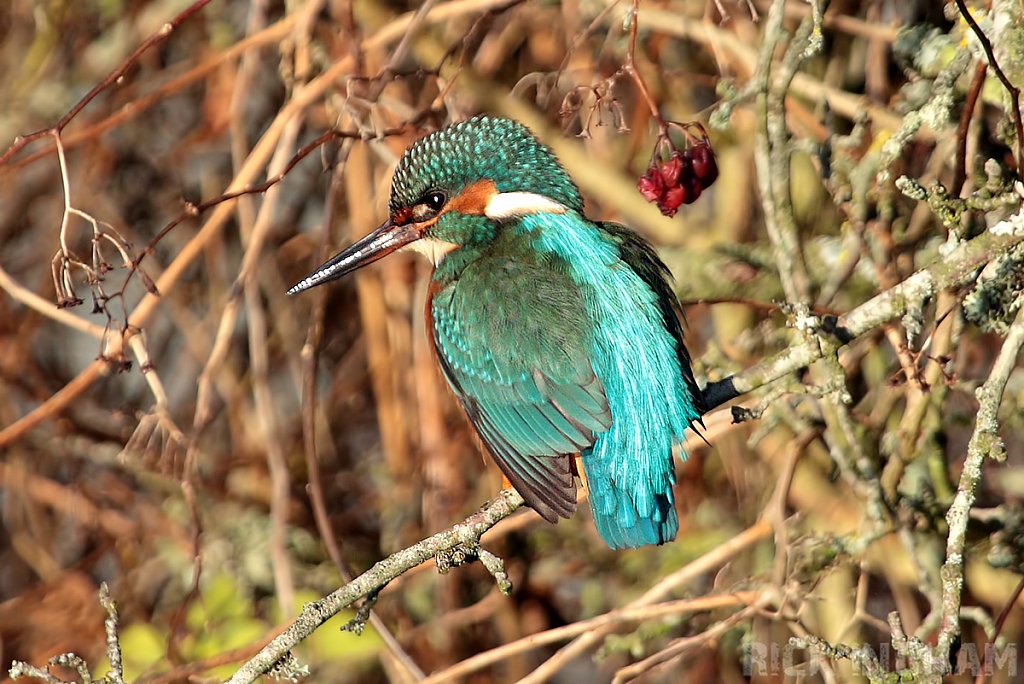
432, 248
511, 204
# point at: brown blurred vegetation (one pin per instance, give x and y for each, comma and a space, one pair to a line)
175, 466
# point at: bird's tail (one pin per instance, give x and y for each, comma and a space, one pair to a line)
632, 505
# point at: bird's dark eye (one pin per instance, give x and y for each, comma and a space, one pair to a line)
435, 200
429, 205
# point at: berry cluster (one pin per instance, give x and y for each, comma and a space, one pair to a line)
681, 179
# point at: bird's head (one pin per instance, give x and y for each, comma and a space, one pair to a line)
454, 188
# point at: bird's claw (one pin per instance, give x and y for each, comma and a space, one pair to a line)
456, 556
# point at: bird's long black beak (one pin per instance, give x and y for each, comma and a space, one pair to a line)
377, 245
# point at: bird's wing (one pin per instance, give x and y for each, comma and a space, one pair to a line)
646, 263
512, 339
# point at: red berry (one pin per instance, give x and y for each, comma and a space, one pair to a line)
650, 185
672, 200
693, 187
671, 169
704, 163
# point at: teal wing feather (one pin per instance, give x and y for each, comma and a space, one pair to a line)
511, 337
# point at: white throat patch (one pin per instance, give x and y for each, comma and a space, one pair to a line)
511, 204
432, 248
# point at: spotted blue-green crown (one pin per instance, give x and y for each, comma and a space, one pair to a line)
481, 148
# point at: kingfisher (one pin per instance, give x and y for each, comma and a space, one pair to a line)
560, 336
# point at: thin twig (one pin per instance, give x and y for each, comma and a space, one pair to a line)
1011, 603
804, 85
775, 511
611, 618
1013, 90
630, 66
680, 646
712, 560
961, 163
188, 671
113, 77
269, 36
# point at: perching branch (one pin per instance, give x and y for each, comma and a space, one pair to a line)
466, 533
956, 269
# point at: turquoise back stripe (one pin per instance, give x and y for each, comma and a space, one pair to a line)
629, 469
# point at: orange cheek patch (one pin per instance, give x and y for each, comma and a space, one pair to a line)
474, 198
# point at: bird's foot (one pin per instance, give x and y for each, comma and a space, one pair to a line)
447, 559
464, 553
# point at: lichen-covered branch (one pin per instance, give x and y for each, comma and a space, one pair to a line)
954, 270
985, 443
115, 675
466, 533
772, 149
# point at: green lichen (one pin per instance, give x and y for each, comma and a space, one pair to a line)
996, 299
1012, 40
